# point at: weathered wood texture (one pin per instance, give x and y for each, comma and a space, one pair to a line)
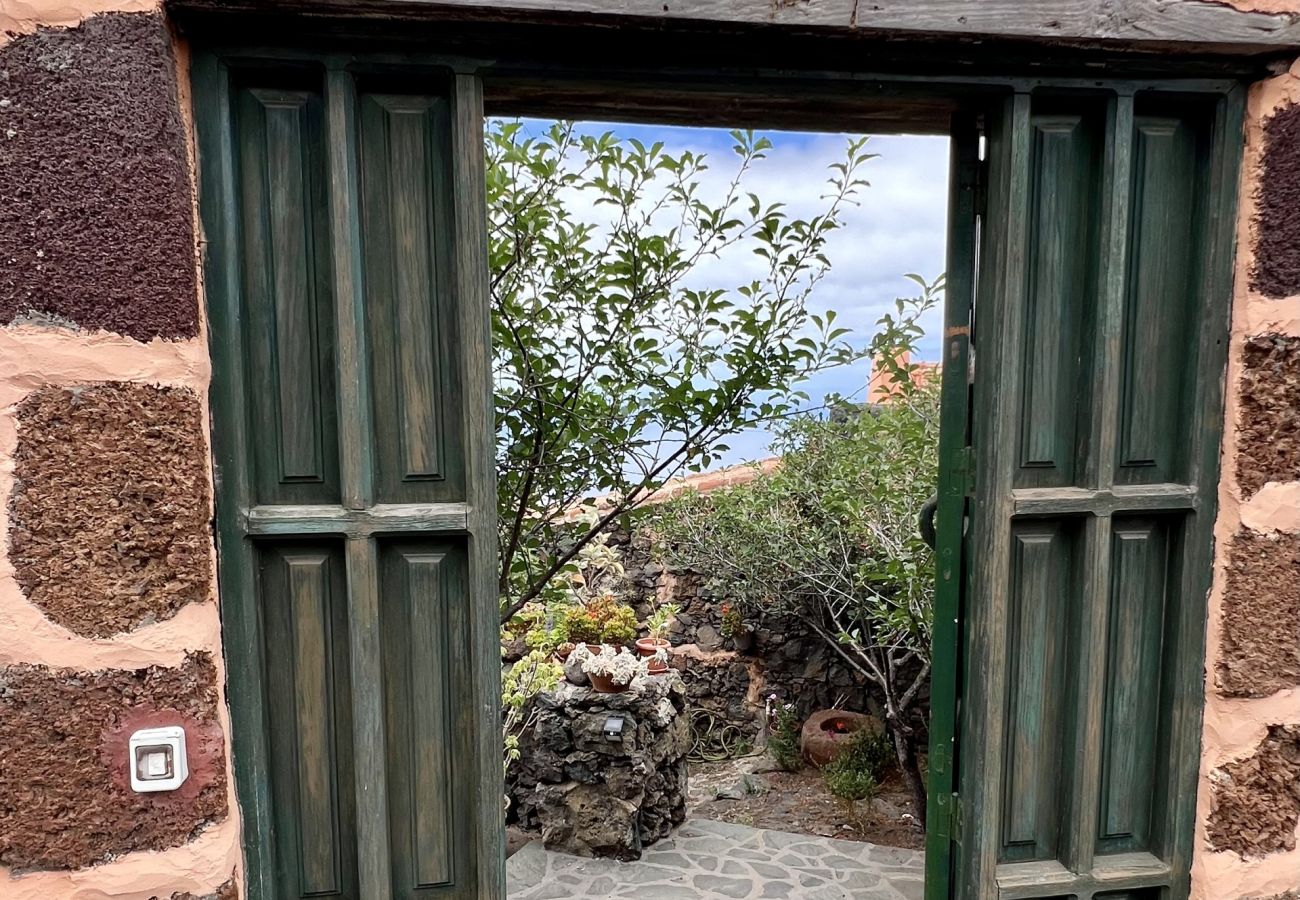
1189, 22
349, 306
1099, 340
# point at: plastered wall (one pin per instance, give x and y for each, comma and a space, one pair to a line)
1249, 799
108, 608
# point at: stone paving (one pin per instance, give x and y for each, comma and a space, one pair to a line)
705, 860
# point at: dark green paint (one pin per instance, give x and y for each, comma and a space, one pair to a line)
358, 601
954, 484
1103, 299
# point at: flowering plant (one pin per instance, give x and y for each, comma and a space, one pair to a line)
620, 667
600, 621
733, 624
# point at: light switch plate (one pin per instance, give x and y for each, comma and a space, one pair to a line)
158, 760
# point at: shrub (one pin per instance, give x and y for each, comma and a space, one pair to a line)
856, 773
783, 738
602, 621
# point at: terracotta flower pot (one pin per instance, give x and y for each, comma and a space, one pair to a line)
648, 647
604, 684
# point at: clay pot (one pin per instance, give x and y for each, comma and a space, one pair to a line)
604, 684
648, 647
743, 641
562, 654
828, 732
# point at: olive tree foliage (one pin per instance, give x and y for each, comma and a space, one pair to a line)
830, 536
616, 366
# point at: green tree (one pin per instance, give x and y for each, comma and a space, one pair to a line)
616, 369
831, 535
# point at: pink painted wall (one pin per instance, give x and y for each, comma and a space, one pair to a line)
35, 355
1234, 727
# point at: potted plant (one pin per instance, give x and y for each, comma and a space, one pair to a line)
602, 621
610, 672
655, 645
736, 628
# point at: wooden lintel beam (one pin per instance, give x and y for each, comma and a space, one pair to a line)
1199, 23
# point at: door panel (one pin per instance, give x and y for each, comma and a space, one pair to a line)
347, 285
286, 311
422, 664
410, 317
1062, 289
311, 714
1105, 278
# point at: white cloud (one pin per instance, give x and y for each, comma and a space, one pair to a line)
899, 227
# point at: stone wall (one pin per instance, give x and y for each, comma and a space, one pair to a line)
593, 796
1248, 804
785, 658
108, 613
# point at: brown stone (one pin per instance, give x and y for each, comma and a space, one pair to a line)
96, 203
1260, 653
1276, 271
110, 519
65, 796
1268, 434
827, 733
1257, 800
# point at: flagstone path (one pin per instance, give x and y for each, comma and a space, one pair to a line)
705, 860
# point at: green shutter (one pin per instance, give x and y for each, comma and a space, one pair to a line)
1100, 323
347, 289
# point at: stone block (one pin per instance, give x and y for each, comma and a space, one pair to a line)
1256, 801
110, 518
96, 202
65, 796
1268, 430
1260, 651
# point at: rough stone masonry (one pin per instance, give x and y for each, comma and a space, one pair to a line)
596, 794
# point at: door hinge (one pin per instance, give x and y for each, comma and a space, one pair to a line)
966, 470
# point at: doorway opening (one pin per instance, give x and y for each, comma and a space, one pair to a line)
718, 420
344, 205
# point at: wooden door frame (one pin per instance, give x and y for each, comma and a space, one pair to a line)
703, 85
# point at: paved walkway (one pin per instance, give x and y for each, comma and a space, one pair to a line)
705, 860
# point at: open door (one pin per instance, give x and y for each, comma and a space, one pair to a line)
964, 195
1104, 280
343, 205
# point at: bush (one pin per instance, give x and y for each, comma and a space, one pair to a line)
601, 621
783, 738
856, 773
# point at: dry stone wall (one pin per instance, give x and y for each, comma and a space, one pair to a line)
591, 794
784, 656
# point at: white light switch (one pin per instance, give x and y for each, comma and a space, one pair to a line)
158, 760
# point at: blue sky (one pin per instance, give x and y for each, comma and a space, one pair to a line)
899, 227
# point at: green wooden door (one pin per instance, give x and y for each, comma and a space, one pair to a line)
1100, 325
343, 205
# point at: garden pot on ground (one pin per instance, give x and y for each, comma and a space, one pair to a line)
648, 647
828, 732
604, 684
